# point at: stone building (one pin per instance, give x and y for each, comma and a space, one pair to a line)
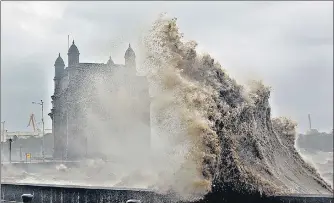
99, 109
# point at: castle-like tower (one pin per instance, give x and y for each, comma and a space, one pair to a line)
130, 57
76, 98
73, 55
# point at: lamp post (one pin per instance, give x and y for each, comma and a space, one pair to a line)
10, 140
2, 139
42, 105
20, 153
3, 131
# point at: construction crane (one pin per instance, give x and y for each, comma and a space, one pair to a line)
32, 122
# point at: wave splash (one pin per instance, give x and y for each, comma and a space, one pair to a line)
225, 130
217, 135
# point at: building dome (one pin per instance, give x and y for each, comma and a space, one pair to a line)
110, 61
59, 61
73, 49
129, 53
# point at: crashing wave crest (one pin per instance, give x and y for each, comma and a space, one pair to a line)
217, 135
227, 129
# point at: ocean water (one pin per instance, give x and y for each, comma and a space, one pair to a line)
322, 161
213, 133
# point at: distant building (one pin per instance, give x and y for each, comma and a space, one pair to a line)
24, 143
314, 140
77, 96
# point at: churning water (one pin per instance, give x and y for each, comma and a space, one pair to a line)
212, 131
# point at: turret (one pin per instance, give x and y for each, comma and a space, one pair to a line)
73, 55
59, 67
110, 62
130, 57
59, 71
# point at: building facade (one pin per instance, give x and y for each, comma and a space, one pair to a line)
98, 108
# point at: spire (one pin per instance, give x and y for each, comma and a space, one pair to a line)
130, 57
73, 55
110, 61
73, 48
129, 53
59, 67
59, 61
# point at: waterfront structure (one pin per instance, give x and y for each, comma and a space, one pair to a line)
98, 106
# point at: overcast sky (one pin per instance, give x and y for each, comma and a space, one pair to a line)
289, 45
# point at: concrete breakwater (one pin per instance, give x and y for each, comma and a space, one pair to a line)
79, 194
76, 194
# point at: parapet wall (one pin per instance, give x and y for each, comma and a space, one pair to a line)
72, 194
76, 194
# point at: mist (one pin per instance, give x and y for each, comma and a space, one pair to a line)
181, 135
272, 41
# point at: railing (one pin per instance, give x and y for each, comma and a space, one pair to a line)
23, 134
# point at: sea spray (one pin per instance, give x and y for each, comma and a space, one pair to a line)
216, 135
189, 103
230, 139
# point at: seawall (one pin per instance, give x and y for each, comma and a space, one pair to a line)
80, 194
76, 194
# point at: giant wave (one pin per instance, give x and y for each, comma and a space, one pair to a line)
218, 135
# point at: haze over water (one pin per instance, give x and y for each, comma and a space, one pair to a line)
208, 131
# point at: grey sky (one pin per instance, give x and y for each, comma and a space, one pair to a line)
289, 45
